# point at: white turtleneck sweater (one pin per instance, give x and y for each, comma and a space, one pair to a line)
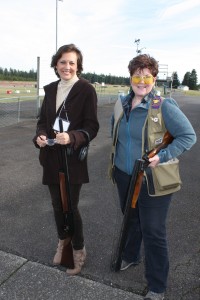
63, 90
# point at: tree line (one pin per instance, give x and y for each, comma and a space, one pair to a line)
16, 75
107, 79
190, 78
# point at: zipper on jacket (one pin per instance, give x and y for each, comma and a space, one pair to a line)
128, 160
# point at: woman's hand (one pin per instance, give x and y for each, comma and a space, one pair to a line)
62, 138
154, 161
41, 141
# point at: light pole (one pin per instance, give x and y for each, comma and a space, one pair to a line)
57, 23
137, 42
138, 51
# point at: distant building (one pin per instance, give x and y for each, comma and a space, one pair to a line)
183, 87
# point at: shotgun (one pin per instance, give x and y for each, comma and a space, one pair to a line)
132, 197
67, 254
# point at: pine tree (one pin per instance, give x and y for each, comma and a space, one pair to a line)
175, 82
186, 79
193, 80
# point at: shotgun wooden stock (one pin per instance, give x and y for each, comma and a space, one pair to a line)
66, 205
63, 192
132, 197
67, 253
67, 259
167, 139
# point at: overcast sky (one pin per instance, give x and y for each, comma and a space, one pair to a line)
105, 31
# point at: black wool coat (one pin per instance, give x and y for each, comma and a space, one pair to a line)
81, 109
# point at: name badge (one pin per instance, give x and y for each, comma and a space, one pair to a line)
65, 124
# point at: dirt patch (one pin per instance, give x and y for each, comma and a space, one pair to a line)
11, 84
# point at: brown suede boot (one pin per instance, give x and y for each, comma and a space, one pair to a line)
79, 260
59, 251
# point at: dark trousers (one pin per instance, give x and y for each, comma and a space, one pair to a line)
147, 223
78, 239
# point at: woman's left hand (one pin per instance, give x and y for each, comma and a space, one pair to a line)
154, 161
62, 138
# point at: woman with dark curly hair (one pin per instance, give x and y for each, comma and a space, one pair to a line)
140, 121
74, 101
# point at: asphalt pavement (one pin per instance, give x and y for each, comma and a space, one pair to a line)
28, 236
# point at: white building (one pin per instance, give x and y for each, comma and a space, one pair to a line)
183, 88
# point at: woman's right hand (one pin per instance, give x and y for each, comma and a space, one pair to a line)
41, 141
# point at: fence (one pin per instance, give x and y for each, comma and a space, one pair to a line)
18, 109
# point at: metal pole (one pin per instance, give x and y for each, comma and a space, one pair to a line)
56, 24
18, 114
38, 86
137, 43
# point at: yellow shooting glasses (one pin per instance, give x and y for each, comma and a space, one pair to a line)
148, 79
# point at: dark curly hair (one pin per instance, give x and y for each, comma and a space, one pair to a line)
141, 62
65, 49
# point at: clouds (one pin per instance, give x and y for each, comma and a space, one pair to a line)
105, 32
179, 8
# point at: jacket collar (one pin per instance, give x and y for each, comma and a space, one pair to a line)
127, 101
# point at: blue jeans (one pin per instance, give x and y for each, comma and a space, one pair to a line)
148, 223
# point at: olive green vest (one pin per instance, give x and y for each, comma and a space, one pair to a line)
165, 176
